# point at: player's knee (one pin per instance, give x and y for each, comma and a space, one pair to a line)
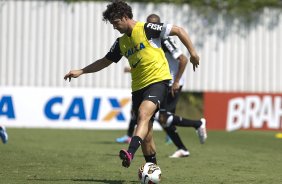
164, 118
160, 118
144, 116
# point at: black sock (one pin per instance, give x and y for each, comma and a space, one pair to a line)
134, 144
151, 158
179, 121
174, 136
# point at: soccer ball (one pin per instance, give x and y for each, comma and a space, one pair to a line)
149, 173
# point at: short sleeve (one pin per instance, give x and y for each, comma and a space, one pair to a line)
114, 54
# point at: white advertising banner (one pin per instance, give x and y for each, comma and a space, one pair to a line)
33, 107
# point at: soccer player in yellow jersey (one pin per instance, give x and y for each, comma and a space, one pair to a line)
167, 117
141, 45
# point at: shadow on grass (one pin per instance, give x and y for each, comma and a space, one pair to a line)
105, 181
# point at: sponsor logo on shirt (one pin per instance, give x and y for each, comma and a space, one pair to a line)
156, 27
133, 50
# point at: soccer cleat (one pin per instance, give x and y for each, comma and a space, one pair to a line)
123, 139
180, 153
125, 157
202, 131
3, 135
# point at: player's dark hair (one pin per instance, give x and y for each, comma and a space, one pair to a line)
117, 10
153, 18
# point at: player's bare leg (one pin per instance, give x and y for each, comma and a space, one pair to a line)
146, 111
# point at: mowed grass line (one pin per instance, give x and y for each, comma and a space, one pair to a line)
91, 156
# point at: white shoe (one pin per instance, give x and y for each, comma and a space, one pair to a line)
180, 153
202, 131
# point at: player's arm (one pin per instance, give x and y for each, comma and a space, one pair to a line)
169, 45
181, 67
112, 56
185, 39
94, 67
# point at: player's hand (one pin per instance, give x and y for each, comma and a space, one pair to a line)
195, 61
127, 70
174, 88
73, 74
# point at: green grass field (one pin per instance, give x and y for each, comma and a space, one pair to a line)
90, 156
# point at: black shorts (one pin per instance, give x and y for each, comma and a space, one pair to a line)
156, 93
172, 100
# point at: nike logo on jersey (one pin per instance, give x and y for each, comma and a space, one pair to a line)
135, 64
155, 26
152, 96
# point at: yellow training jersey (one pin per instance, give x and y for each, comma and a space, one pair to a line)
148, 64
